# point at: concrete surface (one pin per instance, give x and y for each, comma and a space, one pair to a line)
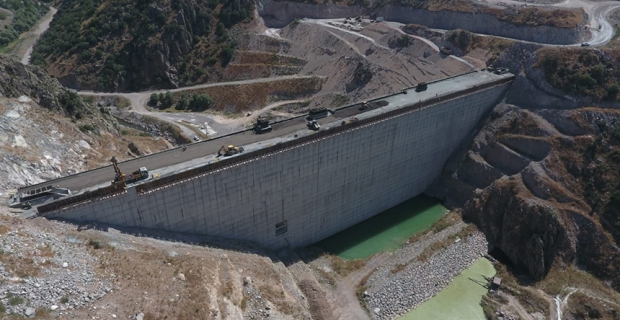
316, 189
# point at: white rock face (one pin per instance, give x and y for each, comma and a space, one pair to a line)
24, 99
12, 114
19, 142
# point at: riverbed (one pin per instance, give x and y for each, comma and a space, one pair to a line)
386, 231
461, 299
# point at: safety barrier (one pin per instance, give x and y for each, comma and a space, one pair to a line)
85, 197
217, 166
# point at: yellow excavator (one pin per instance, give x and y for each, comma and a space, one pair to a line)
120, 177
229, 150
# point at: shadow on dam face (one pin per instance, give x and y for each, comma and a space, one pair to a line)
386, 231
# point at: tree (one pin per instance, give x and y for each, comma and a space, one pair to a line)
612, 92
154, 99
201, 102
183, 103
168, 100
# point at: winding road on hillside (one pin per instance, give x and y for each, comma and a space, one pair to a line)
597, 12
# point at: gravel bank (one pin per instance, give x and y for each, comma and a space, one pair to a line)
43, 271
390, 295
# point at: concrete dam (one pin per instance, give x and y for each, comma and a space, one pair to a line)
292, 186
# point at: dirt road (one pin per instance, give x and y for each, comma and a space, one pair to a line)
24, 49
598, 11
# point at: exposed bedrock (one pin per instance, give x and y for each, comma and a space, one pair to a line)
539, 184
277, 14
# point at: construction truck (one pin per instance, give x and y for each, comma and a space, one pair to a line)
229, 151
262, 125
350, 120
365, 106
121, 178
313, 125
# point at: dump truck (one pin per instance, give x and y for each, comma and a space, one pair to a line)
228, 151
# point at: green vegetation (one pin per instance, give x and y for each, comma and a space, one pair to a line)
582, 72
64, 299
95, 244
120, 35
14, 299
2, 308
467, 41
401, 41
195, 102
25, 14
73, 104
87, 128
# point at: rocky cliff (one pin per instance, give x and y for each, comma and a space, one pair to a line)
47, 131
543, 186
506, 22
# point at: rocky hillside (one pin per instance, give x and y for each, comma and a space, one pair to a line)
47, 131
131, 45
556, 26
51, 270
544, 188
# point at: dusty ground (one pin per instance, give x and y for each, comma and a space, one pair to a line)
150, 273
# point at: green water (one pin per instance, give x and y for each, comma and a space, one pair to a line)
460, 300
386, 231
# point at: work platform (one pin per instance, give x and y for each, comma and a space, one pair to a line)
176, 160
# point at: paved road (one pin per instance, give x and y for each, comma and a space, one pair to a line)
176, 160
140, 99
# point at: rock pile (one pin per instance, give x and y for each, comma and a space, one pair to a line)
44, 271
391, 295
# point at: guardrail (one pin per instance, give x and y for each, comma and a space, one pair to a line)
85, 197
191, 174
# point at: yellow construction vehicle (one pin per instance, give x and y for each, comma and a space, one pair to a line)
229, 151
120, 177
350, 120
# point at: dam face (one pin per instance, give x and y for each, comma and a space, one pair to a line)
301, 191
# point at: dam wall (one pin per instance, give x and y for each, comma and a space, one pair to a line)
300, 192
278, 14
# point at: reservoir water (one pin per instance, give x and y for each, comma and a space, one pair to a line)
386, 231
460, 300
